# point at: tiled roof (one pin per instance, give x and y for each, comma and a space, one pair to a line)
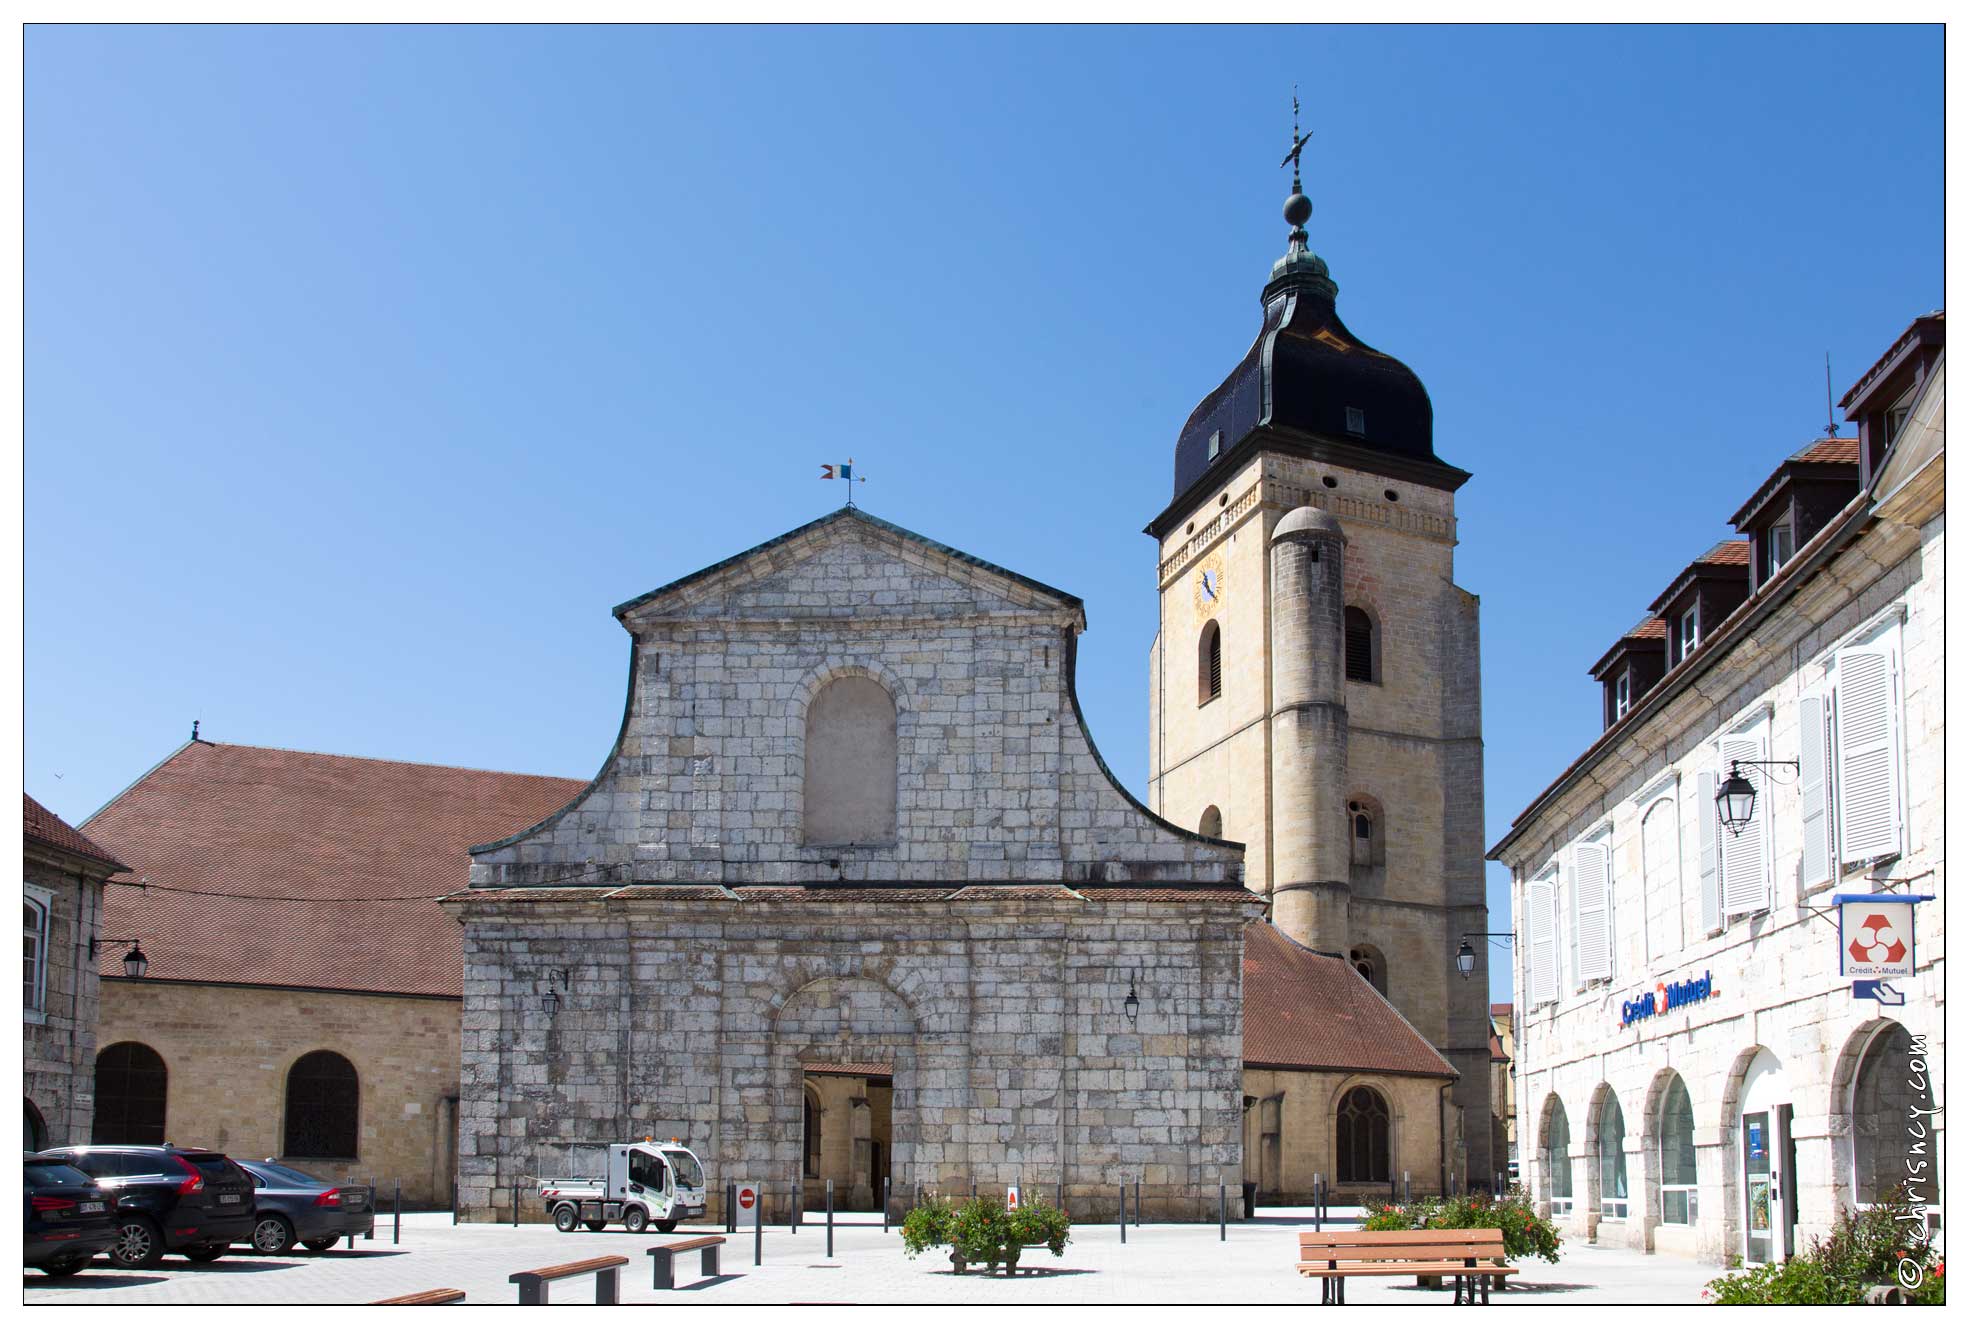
1726, 554
1838, 450
1648, 629
1307, 1011
45, 828
848, 1067
1497, 1047
346, 839
1500, 1008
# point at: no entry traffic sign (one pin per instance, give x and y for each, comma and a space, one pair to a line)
748, 1198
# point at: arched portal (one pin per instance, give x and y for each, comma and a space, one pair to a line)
131, 1086
1555, 1157
1891, 1090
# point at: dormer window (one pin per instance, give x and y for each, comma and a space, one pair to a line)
1897, 414
1685, 635
1622, 693
1216, 443
1778, 547
1357, 421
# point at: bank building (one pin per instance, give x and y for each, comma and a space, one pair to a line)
1694, 1072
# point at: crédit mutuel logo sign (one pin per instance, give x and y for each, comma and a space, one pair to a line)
1665, 998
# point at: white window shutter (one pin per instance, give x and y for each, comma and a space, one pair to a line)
1572, 921
1592, 950
1538, 923
1711, 865
1868, 775
1816, 822
1745, 855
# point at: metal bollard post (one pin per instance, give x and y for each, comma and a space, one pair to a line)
1220, 1211
885, 1204
799, 1204
516, 1204
1138, 1202
759, 1231
396, 1210
1405, 1198
1060, 1196
454, 1203
830, 1218
1124, 1213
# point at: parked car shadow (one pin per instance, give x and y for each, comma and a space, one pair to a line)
89, 1278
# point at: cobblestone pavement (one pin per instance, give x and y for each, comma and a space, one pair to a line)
1157, 1264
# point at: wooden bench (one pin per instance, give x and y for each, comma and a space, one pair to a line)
665, 1258
437, 1296
1472, 1256
534, 1282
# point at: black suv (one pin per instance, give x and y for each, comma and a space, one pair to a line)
190, 1201
67, 1220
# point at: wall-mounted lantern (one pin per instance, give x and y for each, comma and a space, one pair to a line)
551, 1003
135, 963
1131, 1004
1736, 797
1466, 954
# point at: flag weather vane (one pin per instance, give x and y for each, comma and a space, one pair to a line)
1298, 142
844, 471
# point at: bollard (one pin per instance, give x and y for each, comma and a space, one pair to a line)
396, 1210
1060, 1196
1124, 1213
1405, 1199
1319, 1200
1220, 1211
799, 1204
1138, 1202
885, 1204
516, 1204
454, 1204
759, 1231
830, 1218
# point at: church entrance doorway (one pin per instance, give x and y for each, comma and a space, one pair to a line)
847, 1133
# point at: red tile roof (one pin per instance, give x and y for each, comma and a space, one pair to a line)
1841, 450
848, 1067
43, 827
1500, 1008
1304, 1010
360, 848
1648, 629
1727, 554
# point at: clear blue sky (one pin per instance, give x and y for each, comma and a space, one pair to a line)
368, 367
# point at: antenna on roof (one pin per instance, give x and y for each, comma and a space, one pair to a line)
1831, 427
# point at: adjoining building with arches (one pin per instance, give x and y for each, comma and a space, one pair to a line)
62, 878
302, 995
1693, 1072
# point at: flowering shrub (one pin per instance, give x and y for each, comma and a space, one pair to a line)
983, 1232
1867, 1248
1525, 1233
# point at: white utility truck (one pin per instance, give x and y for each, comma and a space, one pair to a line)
647, 1184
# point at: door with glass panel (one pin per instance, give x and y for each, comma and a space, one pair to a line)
1757, 1188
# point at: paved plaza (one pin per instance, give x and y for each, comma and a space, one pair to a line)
1159, 1263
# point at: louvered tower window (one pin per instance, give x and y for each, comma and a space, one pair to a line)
1360, 645
1210, 664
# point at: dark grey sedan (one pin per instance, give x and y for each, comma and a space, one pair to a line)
292, 1206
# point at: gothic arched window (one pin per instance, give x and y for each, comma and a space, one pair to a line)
131, 1080
1678, 1155
1360, 1135
1360, 645
849, 788
1209, 664
324, 1100
1212, 823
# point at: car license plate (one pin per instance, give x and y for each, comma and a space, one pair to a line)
228, 1197
91, 1206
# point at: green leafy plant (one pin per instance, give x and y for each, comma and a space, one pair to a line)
982, 1231
1866, 1248
927, 1225
1525, 1232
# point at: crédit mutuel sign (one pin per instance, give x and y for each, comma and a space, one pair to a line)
1665, 998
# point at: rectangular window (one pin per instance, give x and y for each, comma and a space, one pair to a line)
1814, 795
1685, 637
34, 950
1591, 911
1622, 693
1661, 877
1540, 908
1866, 772
1745, 857
1356, 420
1777, 548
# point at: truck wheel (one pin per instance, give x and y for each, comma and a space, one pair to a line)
595, 1224
667, 1225
634, 1219
565, 1217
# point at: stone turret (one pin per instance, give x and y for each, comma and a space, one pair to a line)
1310, 890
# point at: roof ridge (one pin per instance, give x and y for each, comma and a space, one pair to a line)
385, 761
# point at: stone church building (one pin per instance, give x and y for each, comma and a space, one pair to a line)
853, 825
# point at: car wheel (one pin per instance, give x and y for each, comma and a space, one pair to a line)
320, 1243
62, 1268
635, 1219
595, 1224
565, 1218
139, 1244
273, 1235
203, 1254
667, 1225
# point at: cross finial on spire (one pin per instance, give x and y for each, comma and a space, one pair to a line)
1298, 141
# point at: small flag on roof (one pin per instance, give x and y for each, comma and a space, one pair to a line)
845, 471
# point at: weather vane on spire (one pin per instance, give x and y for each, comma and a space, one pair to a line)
1298, 142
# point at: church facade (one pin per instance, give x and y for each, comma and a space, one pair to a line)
853, 827
1314, 691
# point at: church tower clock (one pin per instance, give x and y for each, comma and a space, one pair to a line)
1313, 682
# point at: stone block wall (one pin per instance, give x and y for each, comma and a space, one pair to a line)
58, 1042
1002, 1013
227, 1051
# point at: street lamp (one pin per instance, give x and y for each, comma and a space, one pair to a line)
135, 963
551, 1003
1131, 1004
1736, 797
1466, 954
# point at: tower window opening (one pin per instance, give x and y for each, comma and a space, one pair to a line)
1329, 482
1216, 443
1360, 645
1356, 421
1210, 664
1391, 496
1212, 823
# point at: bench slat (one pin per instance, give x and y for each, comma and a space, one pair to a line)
554, 1271
437, 1296
1431, 1253
1407, 1236
687, 1244
1394, 1270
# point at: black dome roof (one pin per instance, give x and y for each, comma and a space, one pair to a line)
1307, 375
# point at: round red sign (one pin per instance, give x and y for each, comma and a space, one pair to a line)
746, 1197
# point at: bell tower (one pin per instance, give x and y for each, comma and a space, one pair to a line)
1314, 679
